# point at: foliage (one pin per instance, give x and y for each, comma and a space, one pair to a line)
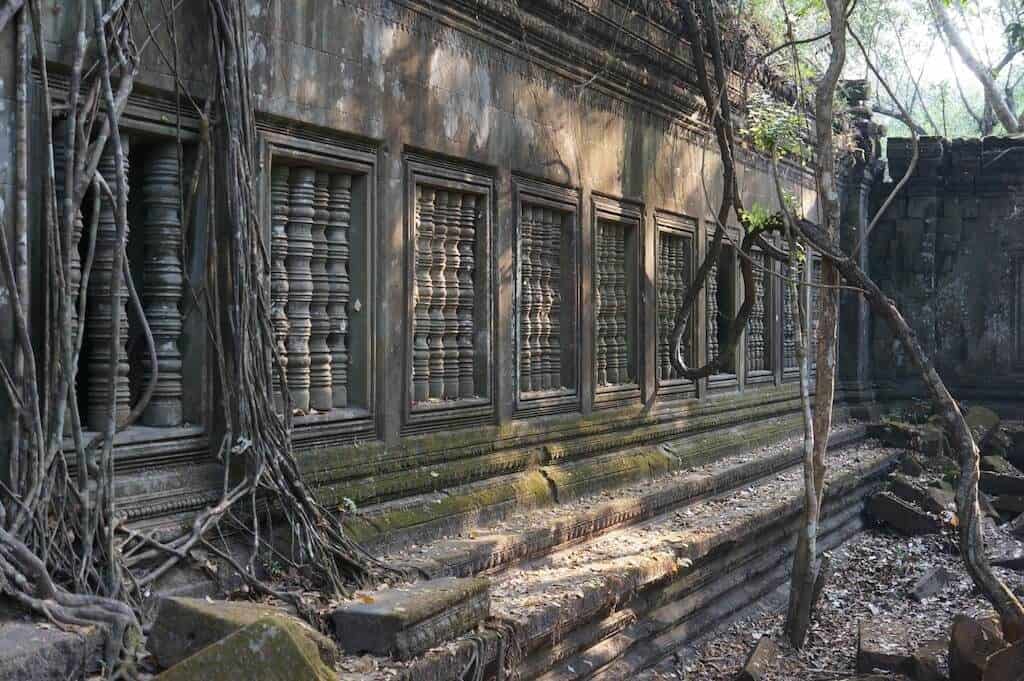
774, 127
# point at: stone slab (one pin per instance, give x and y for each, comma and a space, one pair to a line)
882, 646
406, 620
270, 649
183, 626
33, 651
905, 518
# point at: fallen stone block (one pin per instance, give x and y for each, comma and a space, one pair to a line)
998, 483
404, 621
909, 491
985, 503
1015, 451
271, 649
1011, 504
1007, 664
760, 661
971, 642
982, 419
1016, 527
882, 646
926, 661
33, 651
1012, 561
997, 464
905, 518
931, 583
925, 439
183, 626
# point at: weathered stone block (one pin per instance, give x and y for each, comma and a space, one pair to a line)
882, 646
29, 652
999, 483
908, 491
1007, 664
1012, 504
970, 645
404, 621
931, 583
901, 516
183, 626
760, 660
981, 419
271, 649
997, 464
926, 661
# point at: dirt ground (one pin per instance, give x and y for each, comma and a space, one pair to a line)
874, 574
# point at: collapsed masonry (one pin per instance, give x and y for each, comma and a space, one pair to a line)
479, 228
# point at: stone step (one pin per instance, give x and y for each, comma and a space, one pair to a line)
557, 477
623, 598
531, 534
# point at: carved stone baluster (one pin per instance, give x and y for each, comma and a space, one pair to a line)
422, 302
601, 304
526, 268
711, 296
619, 367
452, 257
101, 316
543, 300
554, 336
789, 321
435, 339
320, 393
466, 277
278, 271
163, 282
339, 222
664, 294
300, 284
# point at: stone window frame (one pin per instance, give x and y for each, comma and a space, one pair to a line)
792, 373
470, 178
724, 381
567, 200
772, 320
686, 227
630, 213
139, 447
334, 152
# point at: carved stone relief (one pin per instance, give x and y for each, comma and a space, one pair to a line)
615, 340
759, 323
675, 255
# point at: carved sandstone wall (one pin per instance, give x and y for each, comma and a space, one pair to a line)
479, 213
950, 251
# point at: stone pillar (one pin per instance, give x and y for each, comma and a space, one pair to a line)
855, 189
163, 281
102, 315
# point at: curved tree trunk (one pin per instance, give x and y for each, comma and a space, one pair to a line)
972, 544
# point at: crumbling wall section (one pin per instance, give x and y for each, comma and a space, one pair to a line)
950, 252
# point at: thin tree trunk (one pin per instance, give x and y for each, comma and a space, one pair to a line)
993, 96
972, 544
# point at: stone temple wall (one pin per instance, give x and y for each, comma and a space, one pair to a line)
950, 252
479, 214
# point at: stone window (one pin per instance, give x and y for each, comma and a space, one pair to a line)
617, 313
673, 271
758, 337
154, 259
720, 302
546, 295
450, 358
321, 245
790, 319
